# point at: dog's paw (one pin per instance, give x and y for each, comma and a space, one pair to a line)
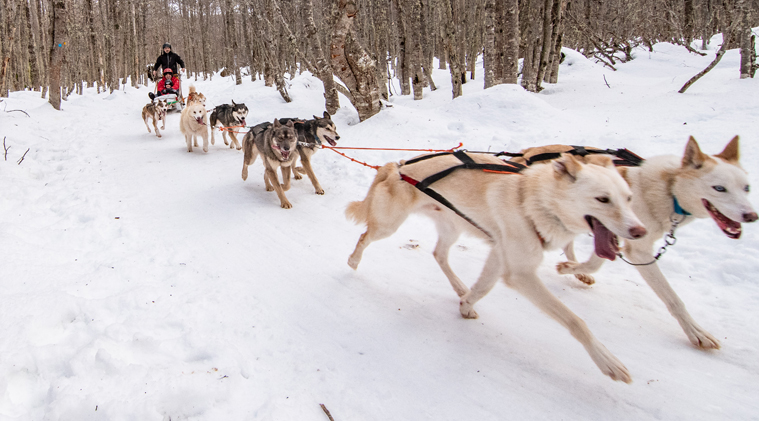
158, 134
213, 142
226, 142
286, 205
319, 191
297, 176
269, 188
467, 311
566, 268
205, 148
609, 364
700, 337
239, 148
353, 262
586, 279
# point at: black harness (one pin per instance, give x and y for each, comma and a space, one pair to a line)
623, 158
467, 163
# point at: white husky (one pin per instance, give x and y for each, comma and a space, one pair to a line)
543, 207
193, 123
670, 192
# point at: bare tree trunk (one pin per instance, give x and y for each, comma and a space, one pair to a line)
402, 66
490, 52
57, 51
510, 41
726, 35
748, 53
417, 74
352, 64
450, 40
33, 48
323, 68
545, 50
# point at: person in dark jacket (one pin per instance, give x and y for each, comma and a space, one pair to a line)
168, 60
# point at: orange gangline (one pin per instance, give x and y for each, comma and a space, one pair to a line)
376, 167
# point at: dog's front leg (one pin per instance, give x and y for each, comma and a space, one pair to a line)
147, 125
492, 270
235, 142
306, 161
579, 270
272, 176
285, 177
155, 125
188, 139
447, 236
528, 284
656, 280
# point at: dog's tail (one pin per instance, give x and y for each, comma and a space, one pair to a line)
358, 212
192, 89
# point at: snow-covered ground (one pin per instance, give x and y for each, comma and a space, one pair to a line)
142, 282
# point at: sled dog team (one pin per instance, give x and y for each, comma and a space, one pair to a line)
521, 207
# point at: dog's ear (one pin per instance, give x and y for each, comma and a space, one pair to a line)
290, 123
693, 156
233, 102
316, 118
276, 122
731, 153
566, 166
326, 115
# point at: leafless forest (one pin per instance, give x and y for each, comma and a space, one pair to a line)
59, 47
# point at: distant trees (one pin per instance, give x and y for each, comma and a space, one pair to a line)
67, 45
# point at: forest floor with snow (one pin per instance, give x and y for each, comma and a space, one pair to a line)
143, 282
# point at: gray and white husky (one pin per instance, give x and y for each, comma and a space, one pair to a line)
228, 116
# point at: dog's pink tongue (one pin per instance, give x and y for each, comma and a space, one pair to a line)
605, 240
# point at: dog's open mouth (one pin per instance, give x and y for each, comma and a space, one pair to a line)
731, 228
285, 154
606, 243
200, 120
242, 121
330, 140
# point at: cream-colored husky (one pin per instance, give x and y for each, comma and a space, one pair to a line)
193, 123
669, 189
543, 207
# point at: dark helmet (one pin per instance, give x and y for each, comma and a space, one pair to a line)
167, 70
167, 45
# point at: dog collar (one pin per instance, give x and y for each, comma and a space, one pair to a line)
679, 209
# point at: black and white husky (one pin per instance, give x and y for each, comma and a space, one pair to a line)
228, 116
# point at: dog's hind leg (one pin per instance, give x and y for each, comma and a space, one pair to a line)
580, 270
213, 140
447, 236
382, 223
250, 153
697, 335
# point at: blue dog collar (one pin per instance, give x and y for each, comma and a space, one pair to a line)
678, 209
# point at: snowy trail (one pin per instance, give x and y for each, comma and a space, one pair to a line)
205, 300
